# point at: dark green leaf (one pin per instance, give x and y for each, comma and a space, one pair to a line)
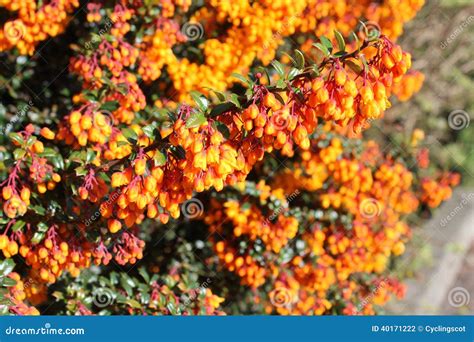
278, 67
18, 225
142, 271
7, 282
196, 119
130, 135
48, 153
109, 106
159, 158
200, 100
90, 155
38, 209
323, 49
6, 266
80, 171
19, 153
340, 40
235, 100
16, 137
221, 108
221, 127
241, 78
292, 73
300, 62
149, 130
354, 66
327, 43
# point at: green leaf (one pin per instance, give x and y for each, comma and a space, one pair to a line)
279, 68
43, 227
178, 152
133, 303
315, 70
323, 49
38, 236
90, 156
221, 127
145, 298
109, 106
80, 171
142, 271
130, 135
295, 63
16, 137
354, 38
159, 158
122, 143
49, 153
6, 267
241, 78
364, 62
38, 209
200, 100
279, 98
18, 225
354, 66
280, 84
220, 95
19, 153
293, 72
77, 156
7, 282
122, 88
235, 100
4, 301
196, 119
221, 108
327, 43
58, 161
149, 130
127, 283
300, 62
340, 40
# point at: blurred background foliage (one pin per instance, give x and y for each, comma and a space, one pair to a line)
449, 85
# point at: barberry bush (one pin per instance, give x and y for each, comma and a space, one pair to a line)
206, 157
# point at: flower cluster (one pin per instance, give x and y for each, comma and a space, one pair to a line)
313, 259
155, 121
34, 23
17, 296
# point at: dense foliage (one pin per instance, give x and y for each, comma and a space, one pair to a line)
178, 157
